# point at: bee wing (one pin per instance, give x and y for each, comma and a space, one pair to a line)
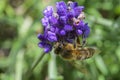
85, 52
96, 50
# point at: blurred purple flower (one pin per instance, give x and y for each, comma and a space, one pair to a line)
45, 21
68, 27
51, 36
62, 25
47, 47
61, 8
48, 11
62, 32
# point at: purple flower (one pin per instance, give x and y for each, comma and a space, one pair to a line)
71, 14
48, 11
45, 21
57, 30
52, 29
61, 8
52, 20
78, 10
63, 19
51, 36
47, 47
62, 25
62, 32
86, 30
79, 32
41, 37
68, 28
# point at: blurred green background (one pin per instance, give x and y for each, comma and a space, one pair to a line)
20, 24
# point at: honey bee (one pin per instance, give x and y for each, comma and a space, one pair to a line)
70, 52
75, 52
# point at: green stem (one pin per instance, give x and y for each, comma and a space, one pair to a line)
52, 68
19, 65
35, 63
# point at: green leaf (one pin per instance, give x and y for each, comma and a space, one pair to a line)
101, 65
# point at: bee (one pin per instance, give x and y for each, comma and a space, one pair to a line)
70, 52
74, 52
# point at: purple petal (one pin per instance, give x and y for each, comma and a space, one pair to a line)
71, 14
78, 10
63, 19
62, 32
87, 31
61, 8
61, 4
48, 11
52, 29
51, 33
45, 21
79, 32
68, 28
41, 44
52, 20
75, 4
52, 36
57, 30
47, 48
41, 37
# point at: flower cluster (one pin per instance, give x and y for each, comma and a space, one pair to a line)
62, 25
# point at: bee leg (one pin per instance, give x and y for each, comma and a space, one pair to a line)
83, 41
76, 42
